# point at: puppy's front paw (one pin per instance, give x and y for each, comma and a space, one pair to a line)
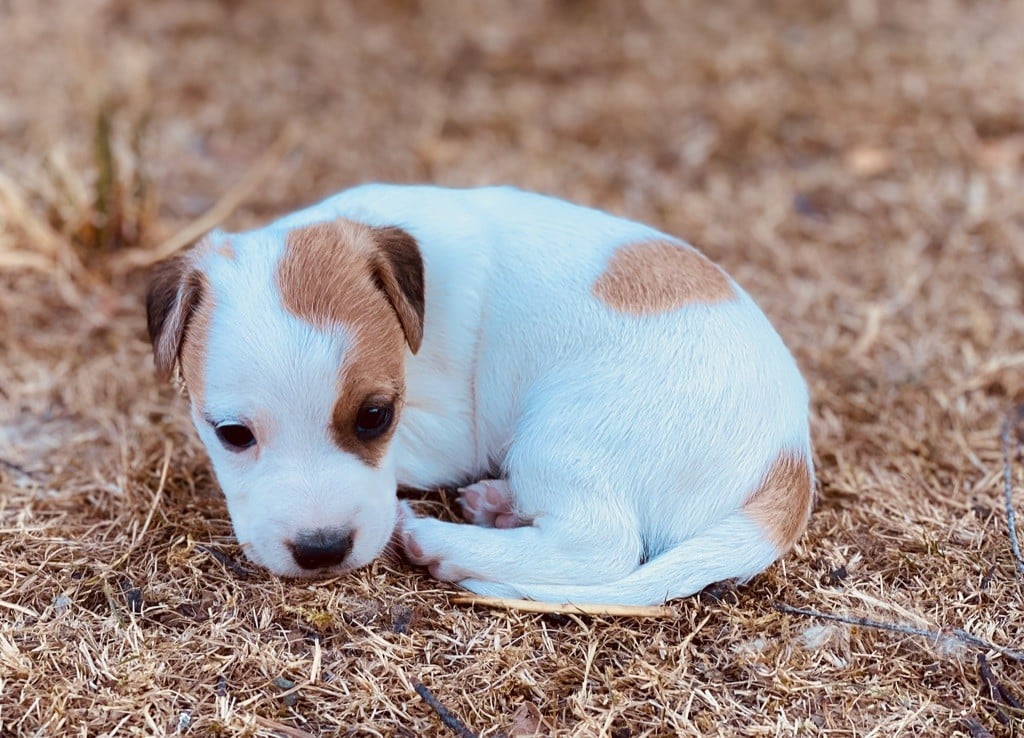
423, 548
489, 503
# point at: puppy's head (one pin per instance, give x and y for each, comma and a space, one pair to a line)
291, 344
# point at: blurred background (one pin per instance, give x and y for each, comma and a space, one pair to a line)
857, 165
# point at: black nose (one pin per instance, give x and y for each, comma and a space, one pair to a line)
318, 549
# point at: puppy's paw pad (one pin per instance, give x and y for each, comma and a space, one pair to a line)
439, 568
508, 520
414, 547
447, 572
482, 503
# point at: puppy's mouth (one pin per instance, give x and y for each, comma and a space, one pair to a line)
287, 566
328, 572
323, 552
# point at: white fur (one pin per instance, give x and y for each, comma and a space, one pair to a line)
621, 439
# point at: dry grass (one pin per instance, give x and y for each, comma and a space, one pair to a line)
858, 166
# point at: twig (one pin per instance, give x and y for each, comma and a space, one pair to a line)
281, 729
615, 611
995, 694
227, 562
19, 608
447, 718
18, 468
961, 635
975, 728
168, 447
996, 689
226, 205
1013, 420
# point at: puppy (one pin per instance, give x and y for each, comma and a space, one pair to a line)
626, 425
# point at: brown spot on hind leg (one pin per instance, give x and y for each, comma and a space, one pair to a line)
781, 504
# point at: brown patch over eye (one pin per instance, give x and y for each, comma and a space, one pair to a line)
782, 503
372, 377
651, 277
328, 277
365, 427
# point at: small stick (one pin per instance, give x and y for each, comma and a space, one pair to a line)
226, 561
994, 692
1011, 700
18, 468
975, 728
168, 446
282, 729
961, 635
1013, 419
998, 690
19, 608
615, 611
447, 718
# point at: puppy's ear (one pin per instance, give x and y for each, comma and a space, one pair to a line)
175, 290
398, 270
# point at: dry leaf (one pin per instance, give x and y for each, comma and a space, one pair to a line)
527, 721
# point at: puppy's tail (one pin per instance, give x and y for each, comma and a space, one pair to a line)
737, 547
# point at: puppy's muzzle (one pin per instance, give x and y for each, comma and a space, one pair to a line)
321, 548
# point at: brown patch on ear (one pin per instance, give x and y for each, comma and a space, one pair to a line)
781, 504
192, 354
334, 274
399, 271
179, 309
650, 277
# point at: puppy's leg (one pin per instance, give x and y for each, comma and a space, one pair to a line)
551, 550
583, 530
489, 503
734, 548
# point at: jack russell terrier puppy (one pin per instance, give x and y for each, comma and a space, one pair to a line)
626, 425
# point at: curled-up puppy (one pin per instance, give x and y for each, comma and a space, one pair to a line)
626, 425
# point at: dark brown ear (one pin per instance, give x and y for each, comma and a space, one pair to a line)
398, 269
175, 290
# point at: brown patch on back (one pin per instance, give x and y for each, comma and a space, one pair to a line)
650, 277
329, 275
781, 504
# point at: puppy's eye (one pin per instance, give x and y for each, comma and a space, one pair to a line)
235, 437
373, 419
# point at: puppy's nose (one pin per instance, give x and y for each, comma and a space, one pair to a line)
321, 548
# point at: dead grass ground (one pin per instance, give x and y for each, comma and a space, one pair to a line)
858, 166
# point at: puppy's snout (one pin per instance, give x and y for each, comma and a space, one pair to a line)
321, 548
